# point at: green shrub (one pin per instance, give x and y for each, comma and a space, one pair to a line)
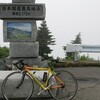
77, 64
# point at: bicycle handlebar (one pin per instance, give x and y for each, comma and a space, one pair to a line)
19, 64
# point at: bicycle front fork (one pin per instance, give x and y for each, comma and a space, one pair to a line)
22, 80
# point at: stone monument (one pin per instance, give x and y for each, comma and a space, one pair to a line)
20, 29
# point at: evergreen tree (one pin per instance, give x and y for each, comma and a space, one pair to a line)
45, 39
77, 39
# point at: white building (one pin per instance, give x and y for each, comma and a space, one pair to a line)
78, 48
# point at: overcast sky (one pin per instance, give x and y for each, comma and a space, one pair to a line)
66, 18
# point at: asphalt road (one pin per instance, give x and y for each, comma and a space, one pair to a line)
88, 82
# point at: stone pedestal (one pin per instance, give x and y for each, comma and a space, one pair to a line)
23, 44
24, 49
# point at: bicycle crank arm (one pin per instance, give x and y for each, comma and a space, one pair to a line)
44, 90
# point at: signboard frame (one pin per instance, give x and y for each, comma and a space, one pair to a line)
32, 38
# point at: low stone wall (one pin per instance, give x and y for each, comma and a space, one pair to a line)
3, 74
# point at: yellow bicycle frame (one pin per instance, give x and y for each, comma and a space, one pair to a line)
50, 72
43, 86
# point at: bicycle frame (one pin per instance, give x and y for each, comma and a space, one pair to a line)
29, 69
50, 72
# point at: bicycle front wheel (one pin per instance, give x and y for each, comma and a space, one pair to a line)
10, 89
66, 92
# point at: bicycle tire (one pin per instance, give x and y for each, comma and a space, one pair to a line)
70, 88
10, 91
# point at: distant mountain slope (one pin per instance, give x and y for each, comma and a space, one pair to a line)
17, 33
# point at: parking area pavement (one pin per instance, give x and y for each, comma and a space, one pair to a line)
88, 82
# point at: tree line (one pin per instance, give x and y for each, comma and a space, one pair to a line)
45, 39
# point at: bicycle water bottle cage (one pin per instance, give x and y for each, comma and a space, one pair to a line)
44, 76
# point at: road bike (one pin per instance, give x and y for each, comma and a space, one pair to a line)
61, 84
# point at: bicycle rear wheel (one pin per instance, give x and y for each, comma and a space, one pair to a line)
68, 91
10, 83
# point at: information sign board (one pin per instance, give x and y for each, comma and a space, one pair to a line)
19, 11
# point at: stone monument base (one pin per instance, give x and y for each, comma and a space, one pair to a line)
30, 61
37, 62
24, 49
